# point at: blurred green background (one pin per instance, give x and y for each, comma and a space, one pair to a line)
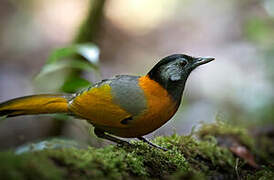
132, 36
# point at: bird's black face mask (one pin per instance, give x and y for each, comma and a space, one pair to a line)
172, 72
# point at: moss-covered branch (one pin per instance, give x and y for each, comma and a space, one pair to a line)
187, 158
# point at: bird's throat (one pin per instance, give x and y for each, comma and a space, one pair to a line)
174, 89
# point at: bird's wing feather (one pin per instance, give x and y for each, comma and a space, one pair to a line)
109, 102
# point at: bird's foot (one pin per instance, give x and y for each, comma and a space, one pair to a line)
151, 144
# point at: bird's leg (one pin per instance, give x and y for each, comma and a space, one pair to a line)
151, 144
101, 134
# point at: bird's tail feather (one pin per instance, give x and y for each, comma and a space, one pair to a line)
35, 104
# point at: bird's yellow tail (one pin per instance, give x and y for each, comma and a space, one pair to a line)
35, 104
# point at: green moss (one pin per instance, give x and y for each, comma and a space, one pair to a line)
187, 158
204, 157
160, 163
191, 175
112, 162
220, 129
265, 149
264, 174
28, 166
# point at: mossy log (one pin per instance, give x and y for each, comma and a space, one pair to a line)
200, 155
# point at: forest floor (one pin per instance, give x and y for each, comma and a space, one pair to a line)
215, 151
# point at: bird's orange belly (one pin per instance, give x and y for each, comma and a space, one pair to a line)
144, 125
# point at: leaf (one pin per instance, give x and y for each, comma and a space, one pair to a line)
244, 153
61, 54
77, 64
74, 83
237, 148
68, 61
88, 51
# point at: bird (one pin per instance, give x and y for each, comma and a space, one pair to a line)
124, 106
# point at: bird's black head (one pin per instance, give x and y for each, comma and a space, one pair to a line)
172, 72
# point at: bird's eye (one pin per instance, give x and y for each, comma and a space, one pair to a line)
183, 63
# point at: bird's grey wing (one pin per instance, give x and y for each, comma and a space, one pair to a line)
128, 94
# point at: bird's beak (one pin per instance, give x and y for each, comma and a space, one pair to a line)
201, 60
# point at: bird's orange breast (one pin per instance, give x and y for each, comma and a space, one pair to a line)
160, 108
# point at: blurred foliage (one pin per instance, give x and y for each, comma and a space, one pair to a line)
88, 51
260, 30
70, 62
66, 58
90, 26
